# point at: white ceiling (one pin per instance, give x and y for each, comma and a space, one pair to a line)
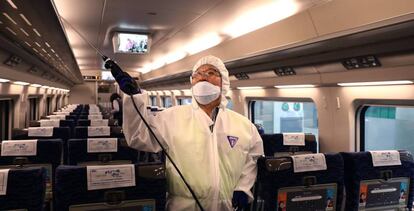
174, 25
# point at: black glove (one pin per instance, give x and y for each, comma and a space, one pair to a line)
126, 83
240, 200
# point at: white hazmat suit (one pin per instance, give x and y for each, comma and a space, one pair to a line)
215, 163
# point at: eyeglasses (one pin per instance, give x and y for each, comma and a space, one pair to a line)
211, 73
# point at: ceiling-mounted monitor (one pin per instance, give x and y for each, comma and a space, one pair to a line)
134, 43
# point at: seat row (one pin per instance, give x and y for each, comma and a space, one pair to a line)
289, 179
100, 170
140, 187
108, 162
75, 112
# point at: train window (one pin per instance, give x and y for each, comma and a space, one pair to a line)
5, 119
153, 100
229, 104
33, 109
282, 116
48, 105
184, 101
386, 127
57, 104
166, 101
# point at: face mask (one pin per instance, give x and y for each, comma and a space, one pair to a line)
205, 92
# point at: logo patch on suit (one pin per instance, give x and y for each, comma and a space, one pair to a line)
232, 140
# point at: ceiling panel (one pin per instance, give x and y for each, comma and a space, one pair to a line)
36, 30
97, 20
177, 27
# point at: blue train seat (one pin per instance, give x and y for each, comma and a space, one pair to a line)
63, 133
25, 189
276, 144
100, 150
18, 154
283, 184
379, 180
86, 132
144, 191
98, 122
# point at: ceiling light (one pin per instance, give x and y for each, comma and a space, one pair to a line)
157, 64
261, 16
144, 69
176, 92
38, 44
375, 83
250, 87
28, 44
38, 34
12, 4
173, 57
44, 50
8, 17
203, 43
35, 50
24, 32
47, 44
53, 51
2, 80
25, 19
46, 87
35, 85
295, 86
11, 31
21, 83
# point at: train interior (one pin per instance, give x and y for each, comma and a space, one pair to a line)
335, 77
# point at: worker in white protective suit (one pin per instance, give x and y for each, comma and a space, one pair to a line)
215, 148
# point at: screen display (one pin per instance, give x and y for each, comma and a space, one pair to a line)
317, 197
131, 43
391, 194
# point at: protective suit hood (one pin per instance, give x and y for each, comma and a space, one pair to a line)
225, 81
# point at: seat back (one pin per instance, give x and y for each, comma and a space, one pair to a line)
95, 151
62, 133
22, 154
95, 122
83, 116
72, 117
140, 192
277, 145
282, 183
25, 189
67, 123
34, 124
82, 132
84, 123
379, 180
